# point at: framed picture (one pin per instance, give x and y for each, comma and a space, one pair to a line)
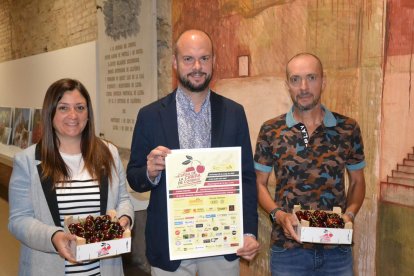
21, 127
6, 115
36, 126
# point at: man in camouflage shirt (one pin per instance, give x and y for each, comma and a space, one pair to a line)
309, 148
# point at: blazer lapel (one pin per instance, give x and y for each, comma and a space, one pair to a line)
50, 193
168, 116
217, 117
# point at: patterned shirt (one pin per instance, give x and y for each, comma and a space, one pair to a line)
194, 129
309, 170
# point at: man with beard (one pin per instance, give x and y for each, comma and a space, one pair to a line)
192, 116
309, 148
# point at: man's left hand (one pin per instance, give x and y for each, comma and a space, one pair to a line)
250, 248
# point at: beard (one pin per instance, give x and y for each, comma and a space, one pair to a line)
187, 84
308, 107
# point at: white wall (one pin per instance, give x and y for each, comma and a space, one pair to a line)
23, 82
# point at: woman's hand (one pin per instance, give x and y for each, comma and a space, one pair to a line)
125, 222
62, 241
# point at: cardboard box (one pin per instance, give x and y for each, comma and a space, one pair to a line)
323, 234
97, 250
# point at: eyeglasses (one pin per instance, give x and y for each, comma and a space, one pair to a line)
65, 108
296, 80
189, 60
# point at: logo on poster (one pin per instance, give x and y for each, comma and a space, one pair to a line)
191, 176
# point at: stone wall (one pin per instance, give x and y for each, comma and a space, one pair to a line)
33, 27
164, 44
5, 31
346, 35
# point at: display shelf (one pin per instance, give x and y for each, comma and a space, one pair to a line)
7, 153
6, 166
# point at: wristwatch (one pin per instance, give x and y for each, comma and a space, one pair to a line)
351, 215
272, 214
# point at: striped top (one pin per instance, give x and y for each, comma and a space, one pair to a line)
80, 197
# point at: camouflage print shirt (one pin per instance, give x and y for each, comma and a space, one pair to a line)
309, 171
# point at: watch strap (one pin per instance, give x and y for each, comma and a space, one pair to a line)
272, 214
351, 215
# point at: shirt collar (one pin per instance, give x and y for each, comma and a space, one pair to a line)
185, 100
329, 119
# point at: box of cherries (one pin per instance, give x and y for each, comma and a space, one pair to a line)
318, 226
98, 237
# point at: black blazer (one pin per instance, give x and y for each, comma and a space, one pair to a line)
157, 125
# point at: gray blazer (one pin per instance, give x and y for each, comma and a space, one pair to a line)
33, 223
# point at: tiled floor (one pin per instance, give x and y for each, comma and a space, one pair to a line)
9, 253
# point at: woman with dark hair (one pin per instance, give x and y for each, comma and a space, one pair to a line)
69, 172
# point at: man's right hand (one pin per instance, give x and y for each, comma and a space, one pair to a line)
156, 161
287, 221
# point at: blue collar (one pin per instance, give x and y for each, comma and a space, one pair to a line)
329, 119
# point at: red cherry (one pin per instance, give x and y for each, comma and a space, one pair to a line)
189, 169
300, 215
200, 168
97, 229
105, 217
89, 218
72, 228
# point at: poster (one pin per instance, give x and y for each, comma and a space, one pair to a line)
204, 202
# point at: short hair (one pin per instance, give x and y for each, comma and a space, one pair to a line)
304, 54
175, 48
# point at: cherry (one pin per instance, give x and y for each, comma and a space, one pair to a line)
94, 239
200, 168
189, 169
97, 229
98, 220
72, 228
335, 221
107, 236
106, 217
105, 226
320, 218
300, 215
